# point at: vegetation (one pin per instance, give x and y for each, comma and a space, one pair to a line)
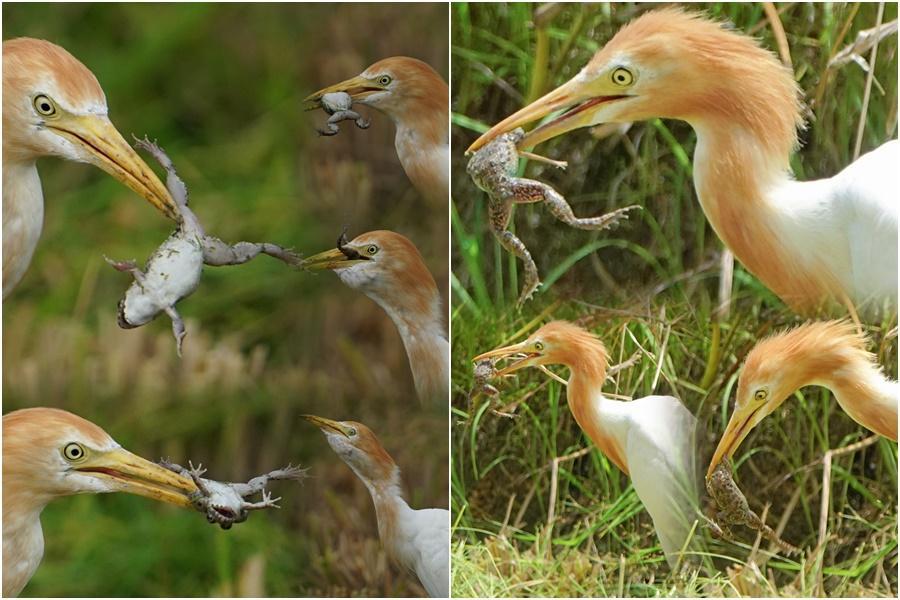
651, 287
221, 88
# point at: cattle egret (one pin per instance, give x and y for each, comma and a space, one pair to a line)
417, 100
54, 106
418, 540
49, 453
810, 242
831, 354
388, 268
650, 439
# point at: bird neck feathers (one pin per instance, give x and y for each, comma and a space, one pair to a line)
587, 360
735, 174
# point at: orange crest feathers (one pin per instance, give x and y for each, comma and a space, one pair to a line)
26, 61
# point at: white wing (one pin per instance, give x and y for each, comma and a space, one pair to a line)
432, 542
660, 450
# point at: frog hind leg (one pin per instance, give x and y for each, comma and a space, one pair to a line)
217, 253
360, 121
562, 211
178, 328
174, 183
258, 484
532, 281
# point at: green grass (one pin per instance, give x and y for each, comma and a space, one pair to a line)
220, 87
649, 287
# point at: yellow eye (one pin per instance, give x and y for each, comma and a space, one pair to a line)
44, 105
371, 249
539, 346
73, 452
351, 431
760, 395
622, 76
384, 79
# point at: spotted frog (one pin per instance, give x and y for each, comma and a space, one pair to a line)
734, 509
493, 169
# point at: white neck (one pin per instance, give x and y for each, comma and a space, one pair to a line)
23, 218
427, 349
23, 546
796, 237
390, 510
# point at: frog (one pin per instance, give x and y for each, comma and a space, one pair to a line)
484, 372
493, 169
224, 503
338, 104
735, 510
173, 272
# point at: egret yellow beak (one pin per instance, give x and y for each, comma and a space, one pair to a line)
532, 356
357, 87
327, 424
109, 151
742, 421
574, 95
129, 473
332, 259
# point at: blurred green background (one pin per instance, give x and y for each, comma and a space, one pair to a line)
649, 286
220, 86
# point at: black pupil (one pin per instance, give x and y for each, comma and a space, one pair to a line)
75, 452
45, 107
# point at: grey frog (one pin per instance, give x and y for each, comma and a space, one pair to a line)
173, 271
224, 503
337, 104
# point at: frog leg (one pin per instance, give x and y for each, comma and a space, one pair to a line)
499, 218
128, 266
361, 121
266, 502
559, 164
528, 190
258, 484
331, 126
217, 253
174, 183
178, 328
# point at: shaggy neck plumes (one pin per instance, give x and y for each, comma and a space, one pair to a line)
587, 360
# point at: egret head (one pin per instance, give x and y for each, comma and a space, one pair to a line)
49, 453
814, 353
672, 64
385, 266
54, 106
557, 342
396, 86
358, 447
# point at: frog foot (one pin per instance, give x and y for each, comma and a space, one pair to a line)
363, 123
121, 265
532, 283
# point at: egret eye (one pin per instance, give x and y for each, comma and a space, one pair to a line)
539, 346
384, 79
73, 452
622, 76
371, 249
760, 395
44, 105
351, 431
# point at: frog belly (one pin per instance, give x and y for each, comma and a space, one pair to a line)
173, 272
